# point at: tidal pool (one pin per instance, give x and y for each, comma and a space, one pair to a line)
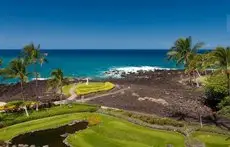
50, 137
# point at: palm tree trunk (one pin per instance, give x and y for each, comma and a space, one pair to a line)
205, 71
201, 122
198, 73
22, 96
61, 95
196, 79
24, 107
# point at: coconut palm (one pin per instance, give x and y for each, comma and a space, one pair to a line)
183, 51
57, 81
222, 56
17, 69
33, 56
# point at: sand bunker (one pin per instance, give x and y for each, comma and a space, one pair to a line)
2, 104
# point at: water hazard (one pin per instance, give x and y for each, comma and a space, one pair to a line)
48, 138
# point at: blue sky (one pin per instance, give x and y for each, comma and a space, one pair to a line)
112, 24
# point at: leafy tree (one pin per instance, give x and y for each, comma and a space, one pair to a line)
33, 55
57, 81
222, 56
17, 69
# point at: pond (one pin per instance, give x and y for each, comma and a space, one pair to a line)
50, 137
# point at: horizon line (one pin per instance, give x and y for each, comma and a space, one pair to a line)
101, 49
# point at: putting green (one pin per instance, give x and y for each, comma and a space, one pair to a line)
114, 132
92, 87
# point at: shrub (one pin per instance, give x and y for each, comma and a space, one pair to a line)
154, 120
218, 82
224, 102
225, 111
14, 103
17, 105
216, 89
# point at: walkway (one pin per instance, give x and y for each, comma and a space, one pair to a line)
102, 95
72, 98
72, 93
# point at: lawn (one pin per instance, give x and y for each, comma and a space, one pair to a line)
14, 118
92, 87
212, 140
114, 132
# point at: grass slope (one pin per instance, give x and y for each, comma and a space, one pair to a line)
14, 118
114, 132
212, 140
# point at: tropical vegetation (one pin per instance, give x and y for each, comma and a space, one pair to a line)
17, 69
213, 66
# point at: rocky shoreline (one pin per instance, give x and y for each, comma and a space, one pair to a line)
157, 92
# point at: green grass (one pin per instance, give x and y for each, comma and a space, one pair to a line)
92, 87
66, 89
111, 131
212, 140
14, 118
114, 132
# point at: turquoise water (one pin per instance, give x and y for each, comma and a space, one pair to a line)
93, 63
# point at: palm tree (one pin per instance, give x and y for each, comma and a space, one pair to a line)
17, 69
222, 56
57, 81
33, 56
183, 50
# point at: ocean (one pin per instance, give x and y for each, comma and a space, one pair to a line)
94, 63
